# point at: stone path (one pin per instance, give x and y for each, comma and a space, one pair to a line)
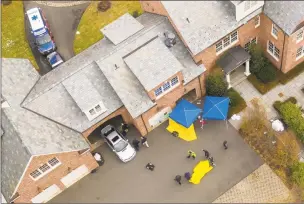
261, 186
60, 3
248, 92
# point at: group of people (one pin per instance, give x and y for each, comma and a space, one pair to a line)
136, 143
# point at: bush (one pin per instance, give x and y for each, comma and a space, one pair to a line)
237, 103
6, 2
291, 99
292, 116
277, 105
103, 5
297, 173
267, 73
258, 60
216, 85
285, 78
260, 86
135, 14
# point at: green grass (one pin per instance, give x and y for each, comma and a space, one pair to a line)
93, 20
237, 103
285, 78
14, 41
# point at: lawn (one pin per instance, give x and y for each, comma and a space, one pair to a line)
14, 42
93, 20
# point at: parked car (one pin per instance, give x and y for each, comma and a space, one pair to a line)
54, 59
118, 143
40, 29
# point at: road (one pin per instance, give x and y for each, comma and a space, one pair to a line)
63, 22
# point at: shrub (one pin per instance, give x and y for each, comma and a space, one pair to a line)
135, 14
103, 6
292, 116
237, 103
260, 86
285, 78
291, 99
277, 105
258, 60
297, 173
6, 2
216, 85
267, 73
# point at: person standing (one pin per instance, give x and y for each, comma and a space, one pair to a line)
178, 179
144, 141
124, 127
212, 161
150, 166
207, 154
225, 144
202, 122
135, 143
191, 154
188, 176
98, 158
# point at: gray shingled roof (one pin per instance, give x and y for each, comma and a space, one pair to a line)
122, 28
82, 91
286, 14
33, 134
209, 21
49, 90
153, 60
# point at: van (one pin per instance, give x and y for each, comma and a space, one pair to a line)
41, 31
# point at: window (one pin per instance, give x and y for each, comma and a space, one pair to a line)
174, 81
92, 111
257, 21
273, 50
54, 162
227, 42
300, 52
166, 86
44, 168
249, 43
35, 174
300, 35
158, 91
98, 108
274, 31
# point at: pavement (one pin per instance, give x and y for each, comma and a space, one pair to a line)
63, 22
117, 182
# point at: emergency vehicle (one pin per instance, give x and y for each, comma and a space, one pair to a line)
41, 31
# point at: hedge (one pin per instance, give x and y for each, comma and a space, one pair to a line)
216, 85
260, 86
277, 104
292, 116
237, 103
285, 78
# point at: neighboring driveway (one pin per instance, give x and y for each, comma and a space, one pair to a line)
63, 22
131, 182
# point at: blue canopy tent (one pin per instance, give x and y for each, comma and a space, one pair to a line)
181, 120
216, 108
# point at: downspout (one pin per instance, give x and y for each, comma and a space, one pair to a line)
144, 124
283, 52
199, 81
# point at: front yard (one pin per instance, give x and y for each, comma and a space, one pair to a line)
93, 20
14, 41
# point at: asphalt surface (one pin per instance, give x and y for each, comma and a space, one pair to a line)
116, 182
63, 23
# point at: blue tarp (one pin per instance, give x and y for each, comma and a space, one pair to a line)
185, 113
215, 108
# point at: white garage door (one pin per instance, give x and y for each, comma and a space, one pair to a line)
75, 176
47, 194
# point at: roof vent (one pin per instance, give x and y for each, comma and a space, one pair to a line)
170, 39
116, 67
188, 20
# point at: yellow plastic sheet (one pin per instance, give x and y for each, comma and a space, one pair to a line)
184, 133
199, 171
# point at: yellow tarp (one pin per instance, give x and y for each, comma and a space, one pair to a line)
184, 133
199, 171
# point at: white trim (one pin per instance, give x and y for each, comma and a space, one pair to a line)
300, 30
168, 90
88, 149
302, 53
269, 52
257, 25
230, 43
21, 178
276, 27
47, 171
3, 199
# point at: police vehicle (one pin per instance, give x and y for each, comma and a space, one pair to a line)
54, 59
41, 31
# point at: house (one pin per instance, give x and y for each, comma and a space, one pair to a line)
136, 74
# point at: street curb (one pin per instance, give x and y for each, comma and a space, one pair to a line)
60, 3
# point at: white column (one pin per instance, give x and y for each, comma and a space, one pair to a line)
247, 71
228, 80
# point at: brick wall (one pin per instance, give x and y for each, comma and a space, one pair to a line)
28, 188
154, 7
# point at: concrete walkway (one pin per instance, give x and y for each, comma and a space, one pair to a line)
262, 186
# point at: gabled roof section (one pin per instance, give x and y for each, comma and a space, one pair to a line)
122, 28
286, 14
202, 23
153, 61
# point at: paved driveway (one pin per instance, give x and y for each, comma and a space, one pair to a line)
63, 22
131, 182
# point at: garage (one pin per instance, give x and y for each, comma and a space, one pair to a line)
47, 194
75, 176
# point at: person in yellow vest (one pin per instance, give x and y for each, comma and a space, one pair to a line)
191, 154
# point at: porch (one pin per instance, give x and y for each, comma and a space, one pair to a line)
235, 64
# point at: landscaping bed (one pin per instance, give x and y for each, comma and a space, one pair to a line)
13, 38
237, 103
93, 20
263, 88
285, 78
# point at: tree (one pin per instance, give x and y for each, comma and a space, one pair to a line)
258, 60
216, 85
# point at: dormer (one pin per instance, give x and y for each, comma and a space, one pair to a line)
244, 8
85, 95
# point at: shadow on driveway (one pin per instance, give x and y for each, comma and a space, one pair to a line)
131, 182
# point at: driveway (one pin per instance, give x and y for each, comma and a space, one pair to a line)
132, 183
63, 22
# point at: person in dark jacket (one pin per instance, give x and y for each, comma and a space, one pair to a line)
178, 179
144, 141
207, 154
135, 144
150, 166
225, 144
188, 176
